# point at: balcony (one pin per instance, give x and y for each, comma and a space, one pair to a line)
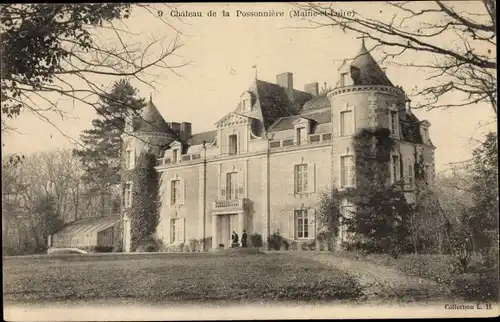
222, 206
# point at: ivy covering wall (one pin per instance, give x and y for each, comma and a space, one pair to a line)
144, 212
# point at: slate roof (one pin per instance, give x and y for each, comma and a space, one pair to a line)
89, 225
364, 70
286, 123
151, 120
271, 102
318, 102
198, 138
410, 128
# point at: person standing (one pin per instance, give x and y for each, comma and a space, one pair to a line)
235, 239
244, 237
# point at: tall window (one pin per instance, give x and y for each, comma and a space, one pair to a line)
129, 159
231, 185
128, 195
300, 176
175, 155
175, 191
176, 230
301, 135
394, 120
395, 168
233, 144
346, 126
411, 174
302, 224
346, 171
343, 79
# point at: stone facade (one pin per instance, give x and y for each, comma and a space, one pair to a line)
264, 166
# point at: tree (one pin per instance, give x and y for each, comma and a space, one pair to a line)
483, 219
101, 155
377, 214
37, 193
381, 219
55, 51
455, 43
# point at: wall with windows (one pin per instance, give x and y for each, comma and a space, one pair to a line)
351, 112
288, 191
179, 194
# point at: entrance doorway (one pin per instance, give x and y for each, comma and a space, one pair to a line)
227, 223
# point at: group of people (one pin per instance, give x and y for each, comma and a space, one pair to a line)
235, 238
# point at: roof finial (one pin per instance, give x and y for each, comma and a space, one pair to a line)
255, 66
362, 37
150, 96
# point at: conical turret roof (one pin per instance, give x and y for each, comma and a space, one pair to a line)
366, 71
151, 120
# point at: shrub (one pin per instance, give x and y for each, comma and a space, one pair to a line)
285, 244
293, 245
274, 241
256, 240
195, 245
221, 246
97, 249
150, 248
207, 242
312, 245
480, 287
304, 246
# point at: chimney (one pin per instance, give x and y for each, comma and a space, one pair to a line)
176, 127
185, 132
285, 80
312, 88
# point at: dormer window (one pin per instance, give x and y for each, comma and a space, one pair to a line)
302, 127
301, 135
246, 102
233, 144
175, 155
343, 79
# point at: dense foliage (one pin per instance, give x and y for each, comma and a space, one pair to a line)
101, 154
380, 219
145, 211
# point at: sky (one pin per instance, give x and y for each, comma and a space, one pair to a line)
221, 52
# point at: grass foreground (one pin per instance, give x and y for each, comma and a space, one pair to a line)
170, 277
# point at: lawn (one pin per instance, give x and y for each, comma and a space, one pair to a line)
477, 285
167, 277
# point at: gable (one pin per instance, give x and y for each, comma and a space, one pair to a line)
231, 119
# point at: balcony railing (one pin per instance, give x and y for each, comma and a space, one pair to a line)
184, 158
228, 204
312, 139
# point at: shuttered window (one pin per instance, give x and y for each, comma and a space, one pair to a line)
346, 171
300, 176
305, 223
177, 230
175, 191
